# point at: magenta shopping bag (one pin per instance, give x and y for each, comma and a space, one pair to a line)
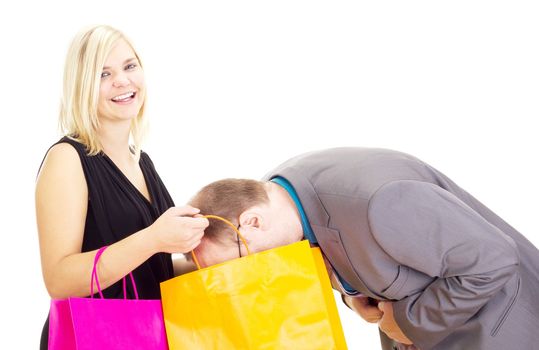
88, 323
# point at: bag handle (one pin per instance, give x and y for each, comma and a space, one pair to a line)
229, 224
94, 277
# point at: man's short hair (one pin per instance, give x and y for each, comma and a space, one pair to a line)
228, 198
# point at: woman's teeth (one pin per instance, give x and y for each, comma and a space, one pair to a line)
124, 97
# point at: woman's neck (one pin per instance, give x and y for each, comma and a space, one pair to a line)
114, 138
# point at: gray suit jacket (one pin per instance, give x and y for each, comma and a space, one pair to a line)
396, 229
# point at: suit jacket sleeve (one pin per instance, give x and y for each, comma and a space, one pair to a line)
430, 230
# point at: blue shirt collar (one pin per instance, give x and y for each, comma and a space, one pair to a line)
308, 232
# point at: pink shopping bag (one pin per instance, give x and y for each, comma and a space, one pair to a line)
88, 323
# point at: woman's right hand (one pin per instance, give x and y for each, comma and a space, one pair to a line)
178, 230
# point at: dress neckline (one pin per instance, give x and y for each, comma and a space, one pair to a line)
126, 179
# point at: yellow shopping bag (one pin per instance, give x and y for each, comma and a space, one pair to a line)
276, 299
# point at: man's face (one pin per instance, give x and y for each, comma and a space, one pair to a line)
212, 251
264, 227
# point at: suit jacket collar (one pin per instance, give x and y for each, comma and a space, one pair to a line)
314, 209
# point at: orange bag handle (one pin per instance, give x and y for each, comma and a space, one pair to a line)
229, 224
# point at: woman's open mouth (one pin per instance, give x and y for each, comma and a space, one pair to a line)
124, 98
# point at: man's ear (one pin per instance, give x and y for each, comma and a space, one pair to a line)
251, 219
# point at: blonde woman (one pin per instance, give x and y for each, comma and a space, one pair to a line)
94, 189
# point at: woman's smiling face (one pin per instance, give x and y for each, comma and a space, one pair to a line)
122, 89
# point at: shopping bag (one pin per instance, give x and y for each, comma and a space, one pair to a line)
276, 299
93, 323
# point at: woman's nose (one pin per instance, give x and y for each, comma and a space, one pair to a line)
120, 81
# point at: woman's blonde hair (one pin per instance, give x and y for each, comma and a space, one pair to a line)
82, 77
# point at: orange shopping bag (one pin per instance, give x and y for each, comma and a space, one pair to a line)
276, 299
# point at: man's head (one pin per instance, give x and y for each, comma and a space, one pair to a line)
263, 211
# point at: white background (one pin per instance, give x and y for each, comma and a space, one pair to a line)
236, 87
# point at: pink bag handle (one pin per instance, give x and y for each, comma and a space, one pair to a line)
94, 277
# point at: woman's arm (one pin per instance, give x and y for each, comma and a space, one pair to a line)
61, 206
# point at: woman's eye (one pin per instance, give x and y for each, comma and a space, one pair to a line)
105, 74
130, 66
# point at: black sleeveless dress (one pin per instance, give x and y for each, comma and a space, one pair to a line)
116, 209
